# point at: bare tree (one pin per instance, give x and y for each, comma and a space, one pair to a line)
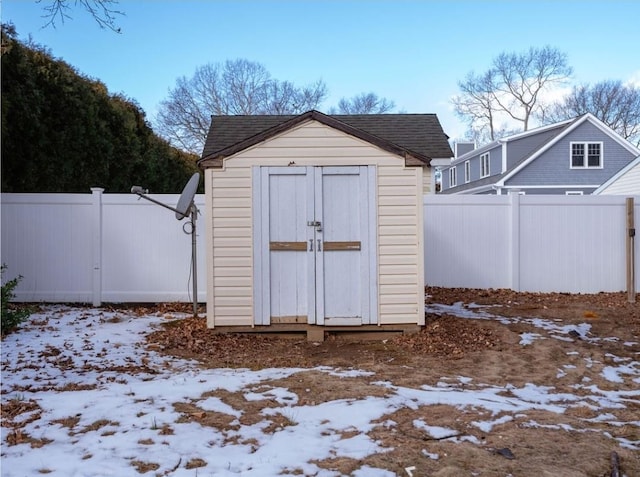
235, 87
511, 88
102, 11
476, 106
282, 97
364, 103
615, 104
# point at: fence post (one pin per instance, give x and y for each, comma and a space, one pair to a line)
97, 244
514, 202
631, 233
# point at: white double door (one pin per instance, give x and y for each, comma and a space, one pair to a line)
314, 257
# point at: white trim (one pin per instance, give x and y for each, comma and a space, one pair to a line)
208, 224
585, 159
315, 267
504, 158
614, 135
562, 186
467, 172
473, 190
617, 175
440, 162
372, 202
532, 132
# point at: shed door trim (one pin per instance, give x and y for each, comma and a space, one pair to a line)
263, 248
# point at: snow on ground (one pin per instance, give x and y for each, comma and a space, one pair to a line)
74, 364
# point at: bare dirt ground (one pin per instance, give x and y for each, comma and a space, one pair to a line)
488, 351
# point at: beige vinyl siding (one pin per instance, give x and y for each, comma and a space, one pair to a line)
401, 289
426, 180
400, 191
628, 183
230, 294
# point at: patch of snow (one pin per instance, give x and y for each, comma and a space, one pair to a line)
430, 455
487, 426
614, 373
528, 338
435, 432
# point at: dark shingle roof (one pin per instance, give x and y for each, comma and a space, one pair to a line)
419, 135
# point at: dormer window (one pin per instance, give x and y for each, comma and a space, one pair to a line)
453, 180
484, 165
586, 155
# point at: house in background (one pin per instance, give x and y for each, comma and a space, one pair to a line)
626, 181
573, 157
315, 222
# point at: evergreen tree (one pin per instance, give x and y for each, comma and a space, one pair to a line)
63, 132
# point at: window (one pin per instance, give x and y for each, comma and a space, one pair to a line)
452, 177
467, 171
586, 155
484, 165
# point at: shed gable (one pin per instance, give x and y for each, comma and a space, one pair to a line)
312, 143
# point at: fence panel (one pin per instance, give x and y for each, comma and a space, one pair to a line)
572, 244
100, 247
465, 240
537, 243
47, 239
146, 254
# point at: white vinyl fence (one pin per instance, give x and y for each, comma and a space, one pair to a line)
93, 248
537, 243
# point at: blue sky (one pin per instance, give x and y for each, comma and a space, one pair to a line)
411, 52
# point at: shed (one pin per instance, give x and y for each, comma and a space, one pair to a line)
315, 221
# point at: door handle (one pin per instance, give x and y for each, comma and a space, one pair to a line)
319, 245
310, 245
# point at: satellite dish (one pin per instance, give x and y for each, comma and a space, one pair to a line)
186, 198
184, 208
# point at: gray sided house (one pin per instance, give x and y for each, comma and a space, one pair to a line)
315, 222
571, 157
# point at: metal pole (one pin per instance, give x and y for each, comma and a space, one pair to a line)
194, 261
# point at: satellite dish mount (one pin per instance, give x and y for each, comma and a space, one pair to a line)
186, 207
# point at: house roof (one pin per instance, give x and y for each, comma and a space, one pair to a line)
563, 129
561, 126
416, 137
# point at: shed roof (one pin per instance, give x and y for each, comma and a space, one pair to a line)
412, 136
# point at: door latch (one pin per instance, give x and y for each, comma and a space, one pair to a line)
314, 223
